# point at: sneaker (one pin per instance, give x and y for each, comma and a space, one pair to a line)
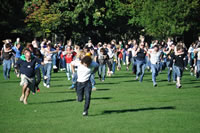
136, 78
94, 88
102, 80
85, 113
155, 85
45, 85
21, 99
48, 86
72, 87
54, 67
45, 77
38, 90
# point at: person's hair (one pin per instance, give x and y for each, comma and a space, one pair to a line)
7, 45
102, 50
80, 54
25, 50
179, 47
49, 45
38, 53
86, 60
156, 46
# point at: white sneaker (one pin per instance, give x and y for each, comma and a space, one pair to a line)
45, 77
45, 85
48, 86
54, 67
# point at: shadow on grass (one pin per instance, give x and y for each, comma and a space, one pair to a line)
102, 89
103, 83
71, 100
61, 92
137, 110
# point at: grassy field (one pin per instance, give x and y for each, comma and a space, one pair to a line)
120, 105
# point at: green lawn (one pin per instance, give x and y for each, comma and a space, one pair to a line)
120, 105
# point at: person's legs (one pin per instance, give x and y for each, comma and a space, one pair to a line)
38, 78
138, 69
68, 71
103, 72
27, 92
153, 68
9, 68
88, 90
24, 87
113, 67
198, 69
79, 91
143, 69
49, 68
5, 69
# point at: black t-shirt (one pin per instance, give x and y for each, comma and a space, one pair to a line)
141, 55
7, 55
179, 60
28, 68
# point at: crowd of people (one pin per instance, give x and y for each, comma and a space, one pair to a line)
36, 60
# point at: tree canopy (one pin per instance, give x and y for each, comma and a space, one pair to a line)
107, 19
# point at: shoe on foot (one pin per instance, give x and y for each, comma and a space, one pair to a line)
48, 86
85, 113
72, 87
94, 88
45, 77
38, 90
45, 85
155, 85
54, 67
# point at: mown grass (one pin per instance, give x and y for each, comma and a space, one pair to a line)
120, 105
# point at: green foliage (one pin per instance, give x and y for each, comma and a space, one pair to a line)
113, 18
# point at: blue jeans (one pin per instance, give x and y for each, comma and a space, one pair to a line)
198, 68
178, 71
171, 72
102, 71
92, 80
47, 72
124, 57
68, 70
140, 69
6, 68
54, 58
155, 69
84, 88
113, 67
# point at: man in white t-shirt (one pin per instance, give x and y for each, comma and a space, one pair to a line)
85, 69
155, 56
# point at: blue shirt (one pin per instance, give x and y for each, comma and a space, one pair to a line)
17, 51
28, 68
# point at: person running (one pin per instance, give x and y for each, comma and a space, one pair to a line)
155, 55
179, 64
48, 53
84, 70
140, 59
7, 54
102, 59
27, 70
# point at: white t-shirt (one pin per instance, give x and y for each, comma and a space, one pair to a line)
198, 54
84, 72
155, 57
